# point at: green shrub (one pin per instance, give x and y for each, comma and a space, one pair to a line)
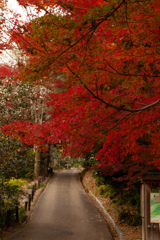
106, 190
102, 190
61, 167
10, 192
10, 204
132, 219
77, 165
29, 175
90, 161
14, 187
22, 214
41, 185
107, 186
100, 180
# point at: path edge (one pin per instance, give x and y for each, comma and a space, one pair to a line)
106, 214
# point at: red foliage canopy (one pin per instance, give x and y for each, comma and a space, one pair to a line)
108, 52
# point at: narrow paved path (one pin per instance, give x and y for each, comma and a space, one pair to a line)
64, 211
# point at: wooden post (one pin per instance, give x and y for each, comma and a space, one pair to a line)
8, 218
148, 225
32, 194
142, 212
17, 214
29, 202
156, 232
39, 183
26, 203
150, 187
37, 164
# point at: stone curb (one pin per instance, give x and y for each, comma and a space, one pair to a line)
109, 218
119, 233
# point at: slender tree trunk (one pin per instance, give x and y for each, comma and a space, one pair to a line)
45, 166
54, 163
37, 164
47, 160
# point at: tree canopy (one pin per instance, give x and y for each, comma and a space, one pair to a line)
107, 101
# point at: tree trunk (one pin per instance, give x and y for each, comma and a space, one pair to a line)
37, 164
47, 160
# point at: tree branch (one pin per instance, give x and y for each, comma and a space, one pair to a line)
119, 108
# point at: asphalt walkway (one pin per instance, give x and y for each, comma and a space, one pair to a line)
64, 211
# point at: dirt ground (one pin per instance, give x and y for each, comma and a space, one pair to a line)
129, 232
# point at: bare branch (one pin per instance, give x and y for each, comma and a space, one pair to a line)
124, 74
91, 31
147, 106
118, 122
119, 108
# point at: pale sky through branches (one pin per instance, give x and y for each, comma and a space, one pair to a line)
7, 55
25, 15
15, 6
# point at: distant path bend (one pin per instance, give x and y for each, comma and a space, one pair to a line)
64, 212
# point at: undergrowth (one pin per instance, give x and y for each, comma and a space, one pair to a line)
127, 202
9, 200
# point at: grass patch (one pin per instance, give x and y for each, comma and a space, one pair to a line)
41, 186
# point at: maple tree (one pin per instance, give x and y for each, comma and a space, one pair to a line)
109, 104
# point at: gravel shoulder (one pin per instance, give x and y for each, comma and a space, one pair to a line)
128, 232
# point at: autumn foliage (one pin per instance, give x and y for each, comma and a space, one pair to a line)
107, 102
